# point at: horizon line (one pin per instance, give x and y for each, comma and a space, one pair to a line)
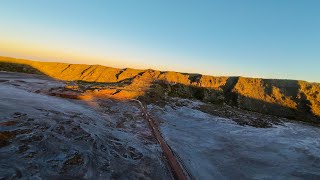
190, 73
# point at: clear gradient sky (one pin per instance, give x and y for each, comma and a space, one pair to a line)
255, 38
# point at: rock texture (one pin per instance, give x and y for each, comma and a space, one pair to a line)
286, 98
212, 147
48, 137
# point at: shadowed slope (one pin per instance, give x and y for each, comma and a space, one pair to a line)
286, 98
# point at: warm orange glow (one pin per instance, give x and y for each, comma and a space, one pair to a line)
130, 83
40, 52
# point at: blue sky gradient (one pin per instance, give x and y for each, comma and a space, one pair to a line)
269, 39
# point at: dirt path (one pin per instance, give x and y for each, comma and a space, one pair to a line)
176, 167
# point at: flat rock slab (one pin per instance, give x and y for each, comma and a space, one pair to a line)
47, 137
218, 148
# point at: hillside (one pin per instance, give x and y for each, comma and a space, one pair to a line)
285, 98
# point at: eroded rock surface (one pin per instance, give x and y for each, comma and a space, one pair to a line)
48, 137
69, 130
212, 147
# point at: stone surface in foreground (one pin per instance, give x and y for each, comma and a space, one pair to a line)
55, 138
217, 148
48, 137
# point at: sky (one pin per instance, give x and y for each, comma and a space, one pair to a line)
253, 38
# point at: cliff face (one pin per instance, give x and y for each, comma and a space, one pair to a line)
285, 98
290, 98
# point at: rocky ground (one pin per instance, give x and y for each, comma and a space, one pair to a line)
49, 137
53, 129
213, 147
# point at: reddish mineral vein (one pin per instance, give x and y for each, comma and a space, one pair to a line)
178, 171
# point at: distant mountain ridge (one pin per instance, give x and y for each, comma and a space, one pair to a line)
285, 98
